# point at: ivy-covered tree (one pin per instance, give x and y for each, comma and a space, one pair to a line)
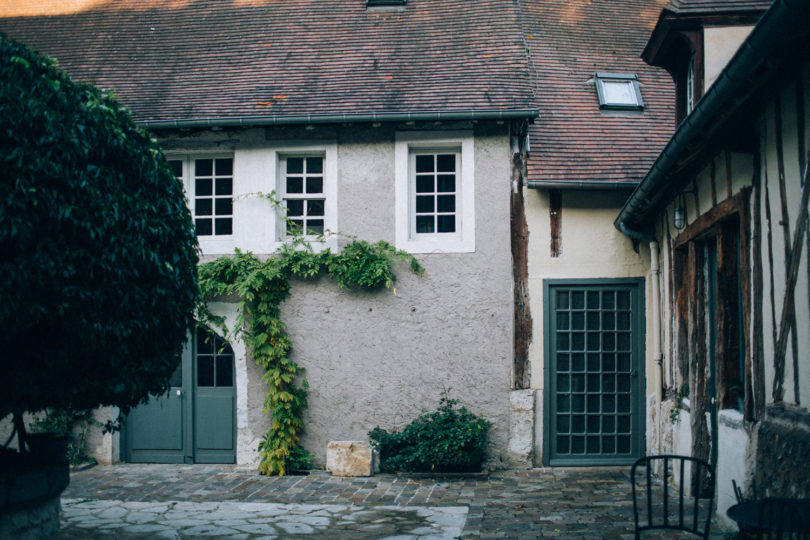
98, 280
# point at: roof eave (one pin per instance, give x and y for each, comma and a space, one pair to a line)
760, 56
342, 118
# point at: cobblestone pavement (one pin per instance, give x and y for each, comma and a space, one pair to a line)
126, 502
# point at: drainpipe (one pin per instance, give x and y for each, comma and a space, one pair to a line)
658, 355
655, 270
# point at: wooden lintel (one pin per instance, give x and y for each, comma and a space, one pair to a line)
735, 205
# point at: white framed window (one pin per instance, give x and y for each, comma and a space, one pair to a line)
306, 186
618, 91
303, 194
435, 192
208, 180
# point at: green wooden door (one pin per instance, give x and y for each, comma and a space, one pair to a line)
195, 421
214, 402
593, 372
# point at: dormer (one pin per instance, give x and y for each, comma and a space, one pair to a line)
695, 39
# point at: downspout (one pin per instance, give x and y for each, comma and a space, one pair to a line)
655, 270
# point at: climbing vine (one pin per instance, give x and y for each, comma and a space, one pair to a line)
261, 286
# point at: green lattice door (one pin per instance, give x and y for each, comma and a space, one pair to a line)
594, 372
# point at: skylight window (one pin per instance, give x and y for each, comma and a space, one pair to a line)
618, 91
385, 3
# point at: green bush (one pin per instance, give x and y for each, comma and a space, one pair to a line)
450, 439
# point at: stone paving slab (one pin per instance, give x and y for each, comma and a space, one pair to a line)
515, 504
101, 519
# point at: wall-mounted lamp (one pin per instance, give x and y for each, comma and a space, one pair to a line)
679, 217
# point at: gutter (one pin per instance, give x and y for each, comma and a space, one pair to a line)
758, 60
595, 185
302, 119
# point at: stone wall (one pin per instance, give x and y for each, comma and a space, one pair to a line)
782, 443
29, 498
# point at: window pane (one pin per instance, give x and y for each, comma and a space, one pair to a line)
314, 165
446, 163
563, 403
315, 207
563, 362
224, 186
224, 207
424, 184
295, 184
315, 184
224, 226
224, 167
204, 227
447, 183
295, 207
315, 226
205, 342
446, 203
424, 203
203, 167
205, 371
295, 165
424, 164
424, 224
202, 207
295, 226
202, 187
225, 370
447, 224
619, 92
176, 167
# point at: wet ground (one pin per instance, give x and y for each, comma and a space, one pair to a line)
130, 501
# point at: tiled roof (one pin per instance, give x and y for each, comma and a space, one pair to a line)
573, 141
703, 7
191, 59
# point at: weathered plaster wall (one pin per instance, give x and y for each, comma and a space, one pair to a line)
719, 45
379, 358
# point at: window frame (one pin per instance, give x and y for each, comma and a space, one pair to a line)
327, 151
407, 145
630, 79
285, 196
189, 184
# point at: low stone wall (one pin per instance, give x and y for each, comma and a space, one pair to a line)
29, 499
782, 442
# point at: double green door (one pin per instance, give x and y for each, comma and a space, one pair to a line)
594, 392
195, 421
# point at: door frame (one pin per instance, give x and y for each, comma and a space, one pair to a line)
638, 420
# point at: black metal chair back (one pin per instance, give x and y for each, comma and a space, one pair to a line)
780, 519
662, 498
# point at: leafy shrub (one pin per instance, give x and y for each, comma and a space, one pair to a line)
449, 439
72, 424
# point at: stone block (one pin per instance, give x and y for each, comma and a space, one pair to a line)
350, 458
521, 427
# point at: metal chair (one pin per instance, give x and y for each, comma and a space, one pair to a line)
672, 499
780, 519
